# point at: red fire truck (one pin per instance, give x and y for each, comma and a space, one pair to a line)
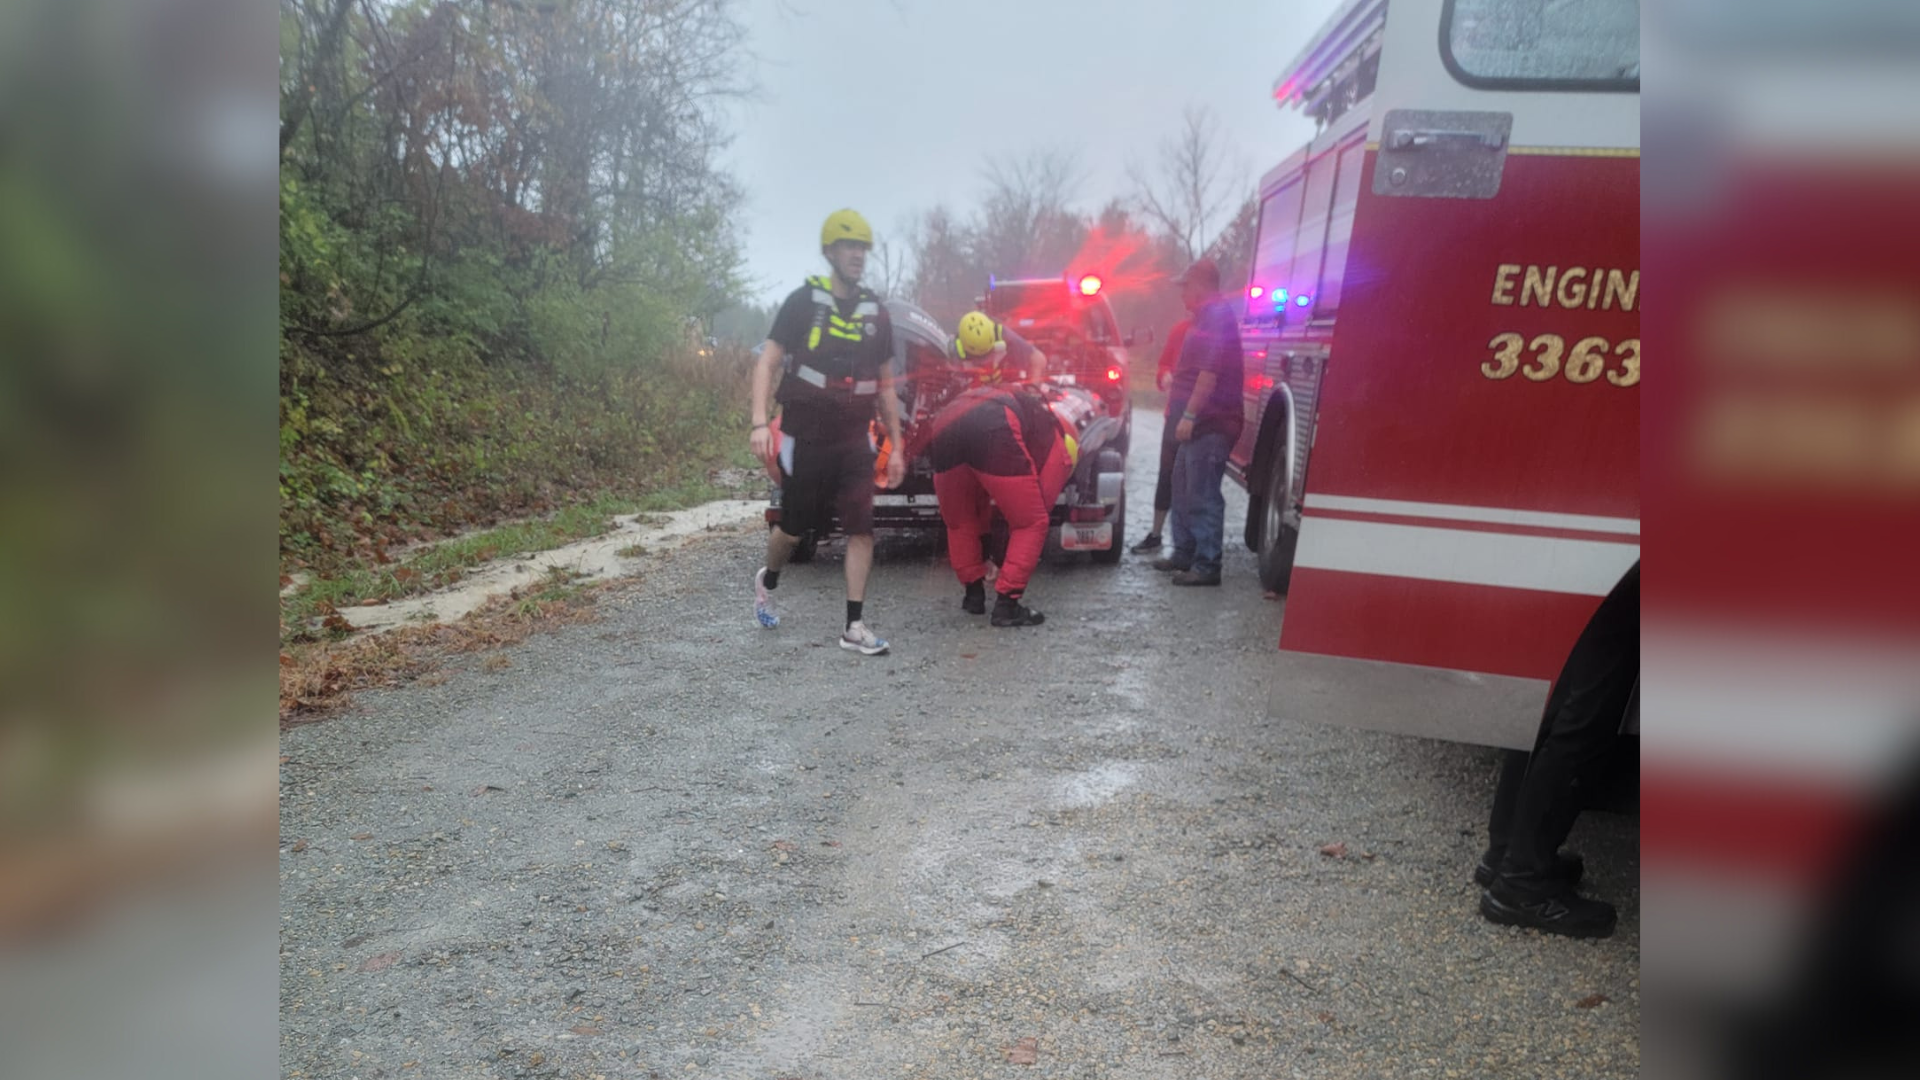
1442, 330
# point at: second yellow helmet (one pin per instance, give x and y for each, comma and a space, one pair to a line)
978, 333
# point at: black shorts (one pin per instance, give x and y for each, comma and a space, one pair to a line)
829, 478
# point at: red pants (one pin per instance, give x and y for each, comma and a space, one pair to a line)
967, 501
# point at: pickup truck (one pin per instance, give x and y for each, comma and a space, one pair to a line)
1090, 515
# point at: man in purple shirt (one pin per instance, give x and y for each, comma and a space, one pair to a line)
1206, 400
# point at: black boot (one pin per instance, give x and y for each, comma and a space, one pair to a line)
1009, 611
975, 602
1551, 906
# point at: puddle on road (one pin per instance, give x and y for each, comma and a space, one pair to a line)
1130, 685
1097, 785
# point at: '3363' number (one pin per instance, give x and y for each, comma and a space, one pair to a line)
1547, 356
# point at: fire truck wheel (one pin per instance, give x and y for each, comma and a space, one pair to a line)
1277, 539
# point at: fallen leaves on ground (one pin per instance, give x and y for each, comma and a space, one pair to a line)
1592, 1001
585, 1029
320, 677
1024, 1052
1335, 850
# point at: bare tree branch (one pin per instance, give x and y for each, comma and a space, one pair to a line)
1190, 188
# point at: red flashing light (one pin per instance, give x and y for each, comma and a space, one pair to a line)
1113, 374
1256, 292
1090, 285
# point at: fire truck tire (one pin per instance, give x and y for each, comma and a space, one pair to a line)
1119, 519
1277, 538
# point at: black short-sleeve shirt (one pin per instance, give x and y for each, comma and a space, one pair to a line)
815, 419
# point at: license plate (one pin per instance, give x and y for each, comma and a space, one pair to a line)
1086, 537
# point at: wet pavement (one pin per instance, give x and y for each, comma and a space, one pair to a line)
670, 843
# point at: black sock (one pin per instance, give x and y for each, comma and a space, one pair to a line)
771, 579
977, 588
853, 611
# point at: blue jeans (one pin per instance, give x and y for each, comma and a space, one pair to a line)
1199, 507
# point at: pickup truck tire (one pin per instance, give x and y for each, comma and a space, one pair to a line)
804, 551
1277, 539
1119, 519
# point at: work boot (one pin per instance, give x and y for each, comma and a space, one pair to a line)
1009, 611
1196, 577
975, 602
1172, 563
1149, 542
1568, 867
1551, 906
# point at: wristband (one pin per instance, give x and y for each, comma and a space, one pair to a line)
756, 427
1188, 416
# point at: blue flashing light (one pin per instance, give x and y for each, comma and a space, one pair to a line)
1279, 298
1303, 300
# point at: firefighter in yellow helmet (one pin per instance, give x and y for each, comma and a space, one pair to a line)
828, 354
1000, 355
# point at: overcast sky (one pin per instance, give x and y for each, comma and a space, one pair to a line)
885, 106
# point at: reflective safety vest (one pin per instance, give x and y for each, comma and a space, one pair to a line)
841, 361
994, 369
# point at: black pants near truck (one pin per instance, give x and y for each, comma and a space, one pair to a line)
1538, 800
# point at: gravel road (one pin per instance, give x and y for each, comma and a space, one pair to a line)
669, 843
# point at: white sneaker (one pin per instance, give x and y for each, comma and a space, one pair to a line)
763, 601
862, 640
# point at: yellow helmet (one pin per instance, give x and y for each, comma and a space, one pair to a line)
978, 334
845, 225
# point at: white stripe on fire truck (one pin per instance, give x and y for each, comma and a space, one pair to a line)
1467, 557
1490, 514
1819, 708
